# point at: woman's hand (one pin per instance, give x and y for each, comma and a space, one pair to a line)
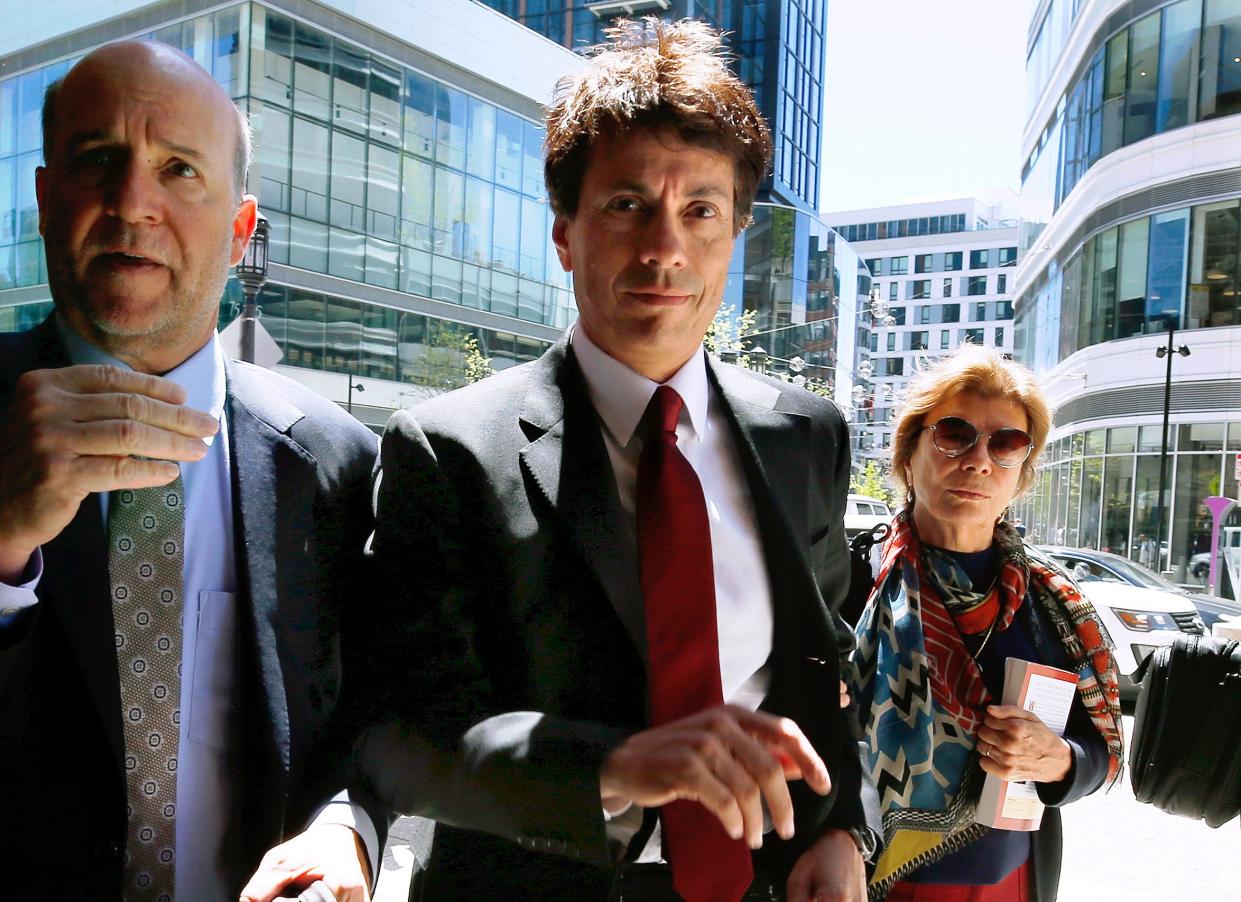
1014, 744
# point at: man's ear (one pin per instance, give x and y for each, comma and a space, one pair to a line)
244, 221
560, 237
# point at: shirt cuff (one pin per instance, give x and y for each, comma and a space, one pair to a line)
345, 812
16, 598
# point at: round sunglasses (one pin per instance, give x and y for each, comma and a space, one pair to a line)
954, 436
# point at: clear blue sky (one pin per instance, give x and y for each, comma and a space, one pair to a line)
925, 99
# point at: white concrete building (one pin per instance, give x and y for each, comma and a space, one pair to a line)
942, 273
1131, 206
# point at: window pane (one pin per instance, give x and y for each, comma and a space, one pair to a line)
385, 97
381, 262
1114, 92
312, 83
351, 77
270, 175
533, 238
1117, 503
1103, 322
504, 237
1220, 85
226, 65
348, 182
1169, 239
347, 255
450, 127
419, 115
1143, 78
1216, 266
1177, 63
381, 192
310, 174
449, 204
478, 215
416, 193
308, 245
271, 66
304, 344
532, 163
508, 150
1131, 303
480, 159
27, 200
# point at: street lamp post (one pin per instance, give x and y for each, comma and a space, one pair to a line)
252, 274
1165, 351
353, 386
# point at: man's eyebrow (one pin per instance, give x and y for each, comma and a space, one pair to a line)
704, 191
88, 137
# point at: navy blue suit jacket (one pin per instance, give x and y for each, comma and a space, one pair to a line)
301, 472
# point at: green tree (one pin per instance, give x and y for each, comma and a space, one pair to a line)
477, 367
872, 481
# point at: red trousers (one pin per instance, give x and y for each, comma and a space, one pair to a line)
1013, 888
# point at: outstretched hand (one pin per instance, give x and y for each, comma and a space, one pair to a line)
332, 853
728, 759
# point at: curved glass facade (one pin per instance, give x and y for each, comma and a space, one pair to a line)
1181, 266
398, 180
805, 283
1173, 67
1100, 489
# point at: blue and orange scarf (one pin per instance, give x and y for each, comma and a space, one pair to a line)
922, 696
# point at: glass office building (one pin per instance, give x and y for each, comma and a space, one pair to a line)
405, 193
1132, 225
401, 170
779, 49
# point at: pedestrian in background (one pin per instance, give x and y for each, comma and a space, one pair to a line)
956, 595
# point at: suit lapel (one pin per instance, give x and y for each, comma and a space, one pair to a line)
273, 492
775, 452
567, 462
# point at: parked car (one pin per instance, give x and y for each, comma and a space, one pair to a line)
1212, 608
1140, 610
863, 512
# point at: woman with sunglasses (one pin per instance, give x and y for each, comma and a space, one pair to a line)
957, 594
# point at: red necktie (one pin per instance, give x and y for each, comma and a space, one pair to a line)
678, 585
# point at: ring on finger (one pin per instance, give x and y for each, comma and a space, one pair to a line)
986, 751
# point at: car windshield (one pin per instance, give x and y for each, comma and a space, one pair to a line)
1114, 569
1136, 573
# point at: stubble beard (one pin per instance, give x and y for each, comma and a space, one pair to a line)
184, 315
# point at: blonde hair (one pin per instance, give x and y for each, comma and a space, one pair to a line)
981, 371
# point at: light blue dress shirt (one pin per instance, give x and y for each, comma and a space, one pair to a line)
209, 624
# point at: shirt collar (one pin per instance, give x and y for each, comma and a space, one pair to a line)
621, 395
201, 374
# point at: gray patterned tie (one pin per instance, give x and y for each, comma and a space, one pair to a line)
146, 535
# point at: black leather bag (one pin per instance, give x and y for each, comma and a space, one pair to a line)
1186, 750
861, 578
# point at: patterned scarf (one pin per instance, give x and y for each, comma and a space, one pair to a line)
923, 698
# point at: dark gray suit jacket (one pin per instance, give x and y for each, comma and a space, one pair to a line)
301, 473
515, 638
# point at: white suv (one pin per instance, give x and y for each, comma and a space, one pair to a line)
862, 512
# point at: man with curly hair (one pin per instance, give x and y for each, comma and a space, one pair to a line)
613, 671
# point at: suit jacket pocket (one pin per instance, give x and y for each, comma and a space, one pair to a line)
215, 674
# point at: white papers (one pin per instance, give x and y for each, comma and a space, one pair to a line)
1046, 692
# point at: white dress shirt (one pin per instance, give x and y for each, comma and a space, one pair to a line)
209, 624
744, 618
